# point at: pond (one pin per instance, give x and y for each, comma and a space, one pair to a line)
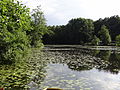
67, 67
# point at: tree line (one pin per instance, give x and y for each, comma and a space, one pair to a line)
19, 30
85, 32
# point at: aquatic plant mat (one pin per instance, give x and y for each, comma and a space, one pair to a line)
65, 67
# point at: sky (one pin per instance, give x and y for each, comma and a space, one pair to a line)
59, 12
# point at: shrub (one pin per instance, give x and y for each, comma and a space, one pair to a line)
14, 23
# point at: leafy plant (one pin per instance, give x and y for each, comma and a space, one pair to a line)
118, 40
95, 41
104, 35
14, 23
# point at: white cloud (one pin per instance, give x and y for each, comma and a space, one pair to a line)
60, 11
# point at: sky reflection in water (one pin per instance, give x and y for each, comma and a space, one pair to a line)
94, 78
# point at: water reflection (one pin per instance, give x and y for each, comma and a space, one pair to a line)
113, 59
108, 61
82, 69
62, 66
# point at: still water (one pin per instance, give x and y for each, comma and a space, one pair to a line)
67, 68
86, 70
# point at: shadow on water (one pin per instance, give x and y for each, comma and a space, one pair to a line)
112, 58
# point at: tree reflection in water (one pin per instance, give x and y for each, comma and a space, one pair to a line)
80, 60
30, 74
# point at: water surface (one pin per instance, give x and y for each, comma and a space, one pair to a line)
73, 69
67, 67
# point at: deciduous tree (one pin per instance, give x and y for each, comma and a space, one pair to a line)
14, 23
39, 27
104, 35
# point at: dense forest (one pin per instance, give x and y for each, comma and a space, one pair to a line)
86, 32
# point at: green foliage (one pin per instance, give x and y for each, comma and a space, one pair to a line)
48, 38
113, 23
39, 27
13, 76
19, 75
104, 35
80, 30
77, 31
95, 41
118, 40
14, 23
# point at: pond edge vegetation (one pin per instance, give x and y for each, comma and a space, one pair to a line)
24, 33
21, 30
